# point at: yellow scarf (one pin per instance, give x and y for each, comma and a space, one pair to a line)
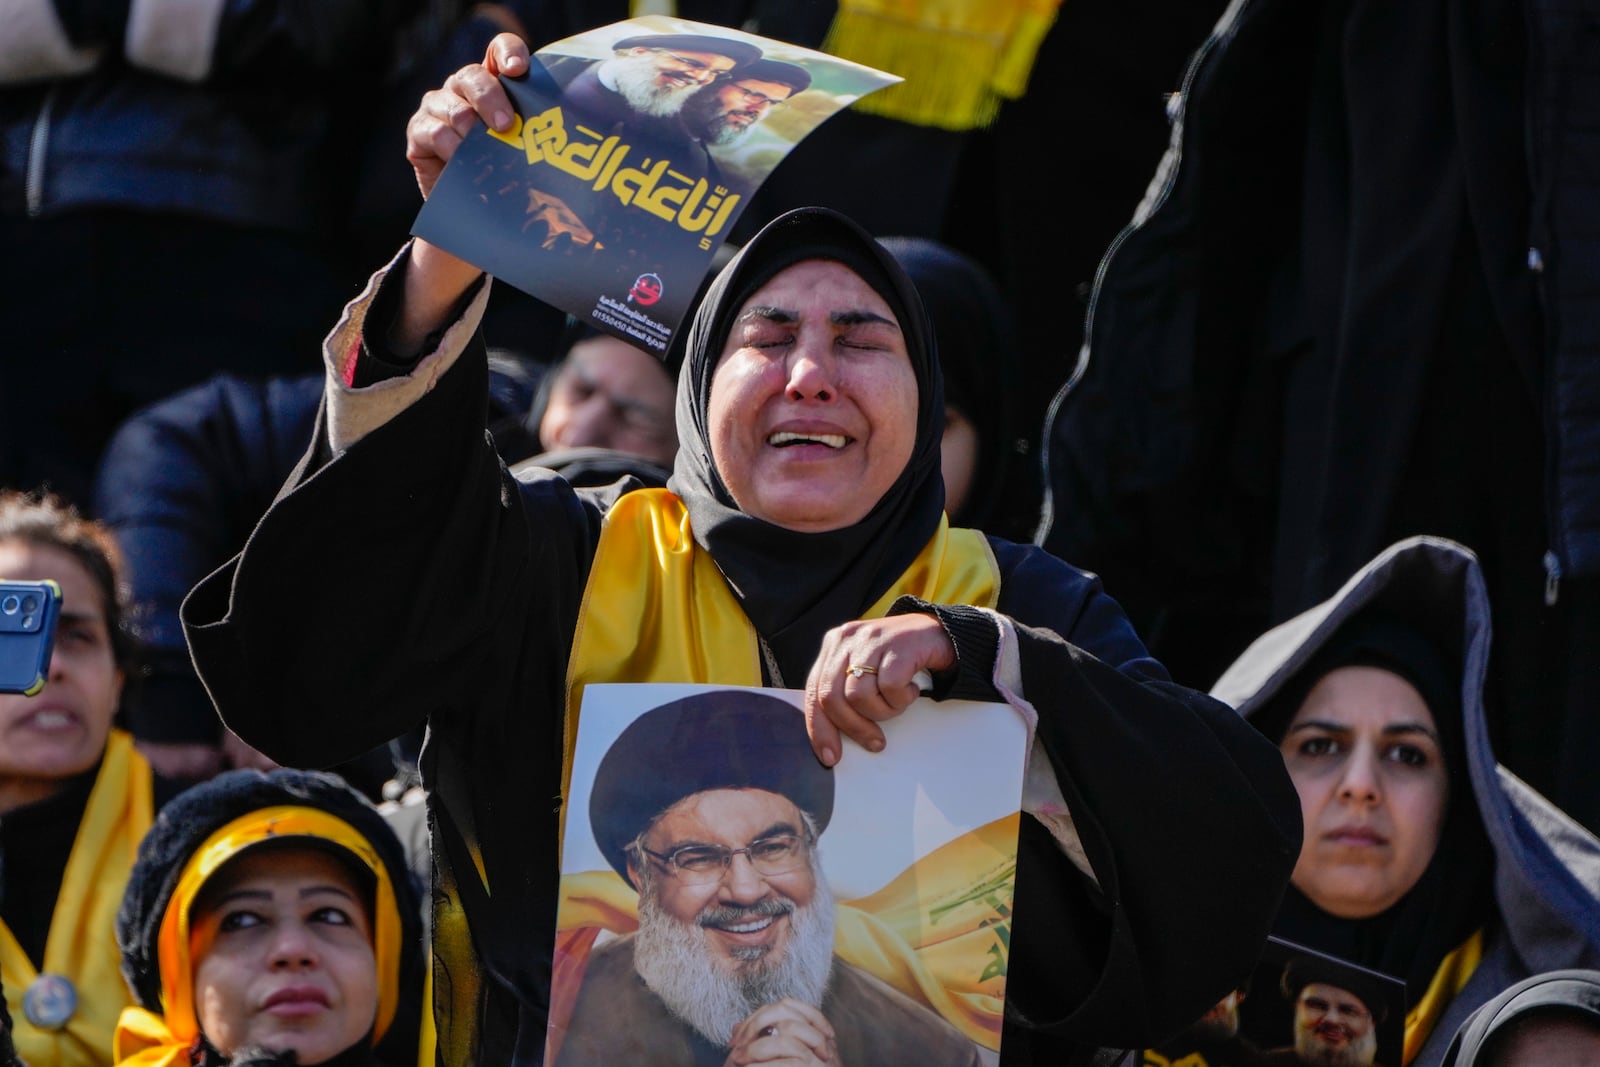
657, 609
1448, 980
959, 58
82, 946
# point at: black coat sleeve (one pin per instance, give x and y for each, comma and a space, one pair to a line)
1186, 814
403, 580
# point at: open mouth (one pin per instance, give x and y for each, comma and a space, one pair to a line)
50, 719
745, 922
754, 926
784, 439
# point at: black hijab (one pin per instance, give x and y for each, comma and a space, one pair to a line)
1454, 895
978, 353
796, 586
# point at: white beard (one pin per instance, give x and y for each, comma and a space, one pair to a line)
634, 77
673, 959
1361, 1051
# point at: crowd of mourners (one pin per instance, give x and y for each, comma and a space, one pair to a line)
1247, 456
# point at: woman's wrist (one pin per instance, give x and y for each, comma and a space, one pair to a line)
435, 282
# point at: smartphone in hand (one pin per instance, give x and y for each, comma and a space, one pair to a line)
28, 613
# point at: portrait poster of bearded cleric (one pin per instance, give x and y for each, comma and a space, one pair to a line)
724, 895
1299, 1008
633, 151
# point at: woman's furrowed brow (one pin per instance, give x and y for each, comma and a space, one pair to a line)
769, 313
787, 317
858, 318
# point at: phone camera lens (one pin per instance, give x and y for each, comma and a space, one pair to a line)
10, 604
30, 604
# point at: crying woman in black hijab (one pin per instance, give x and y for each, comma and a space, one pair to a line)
801, 540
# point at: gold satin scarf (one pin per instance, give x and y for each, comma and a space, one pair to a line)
1448, 980
657, 610
82, 945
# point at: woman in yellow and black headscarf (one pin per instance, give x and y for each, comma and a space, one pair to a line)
271, 919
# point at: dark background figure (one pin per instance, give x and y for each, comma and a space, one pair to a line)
603, 392
1378, 322
977, 338
169, 177
1213, 1040
1099, 96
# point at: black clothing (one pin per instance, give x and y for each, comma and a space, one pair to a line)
1378, 322
35, 842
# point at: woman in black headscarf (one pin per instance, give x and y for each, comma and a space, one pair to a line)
1422, 858
801, 541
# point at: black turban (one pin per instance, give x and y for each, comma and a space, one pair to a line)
738, 51
728, 739
1373, 990
796, 78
